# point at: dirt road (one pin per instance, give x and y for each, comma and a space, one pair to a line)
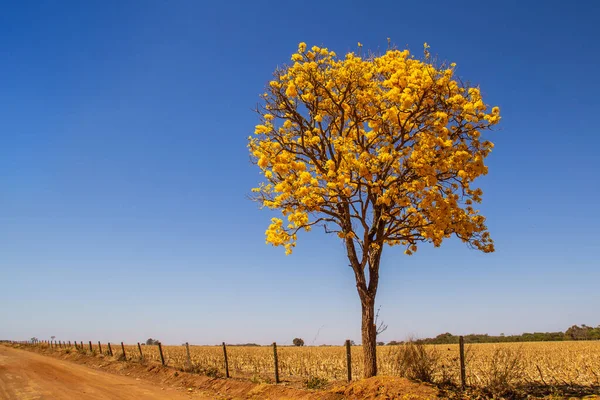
29, 376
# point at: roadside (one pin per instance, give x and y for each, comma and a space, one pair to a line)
51, 374
26, 375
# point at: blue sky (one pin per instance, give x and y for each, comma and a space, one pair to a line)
124, 173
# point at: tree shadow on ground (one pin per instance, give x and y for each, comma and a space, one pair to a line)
522, 392
560, 390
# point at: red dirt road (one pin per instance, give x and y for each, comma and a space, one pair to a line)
29, 376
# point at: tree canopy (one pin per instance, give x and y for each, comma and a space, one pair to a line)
386, 145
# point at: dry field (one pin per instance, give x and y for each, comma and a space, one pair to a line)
546, 363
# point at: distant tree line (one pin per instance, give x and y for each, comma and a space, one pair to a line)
575, 332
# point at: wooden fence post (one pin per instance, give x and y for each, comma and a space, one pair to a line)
189, 358
226, 361
349, 360
82, 345
162, 358
140, 349
70, 344
463, 373
276, 362
91, 348
124, 355
99, 347
110, 350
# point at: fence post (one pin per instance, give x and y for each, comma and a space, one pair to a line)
140, 349
110, 350
463, 374
226, 361
349, 359
99, 347
82, 345
189, 358
276, 362
91, 348
124, 355
162, 358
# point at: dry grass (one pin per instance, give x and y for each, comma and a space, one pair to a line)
539, 363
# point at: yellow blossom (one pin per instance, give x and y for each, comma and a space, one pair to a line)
383, 128
291, 90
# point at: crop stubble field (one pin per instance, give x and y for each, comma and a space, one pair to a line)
546, 363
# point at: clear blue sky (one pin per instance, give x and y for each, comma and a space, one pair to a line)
124, 173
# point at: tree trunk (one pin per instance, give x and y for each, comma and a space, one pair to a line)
369, 336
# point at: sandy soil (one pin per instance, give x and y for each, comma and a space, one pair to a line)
42, 373
28, 376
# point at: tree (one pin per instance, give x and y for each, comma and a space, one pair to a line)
298, 342
381, 150
152, 342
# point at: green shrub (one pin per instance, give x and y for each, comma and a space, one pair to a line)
315, 382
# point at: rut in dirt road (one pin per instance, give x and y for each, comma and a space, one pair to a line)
30, 376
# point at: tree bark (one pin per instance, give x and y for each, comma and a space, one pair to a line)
369, 336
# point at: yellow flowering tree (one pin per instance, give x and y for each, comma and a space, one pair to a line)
379, 149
